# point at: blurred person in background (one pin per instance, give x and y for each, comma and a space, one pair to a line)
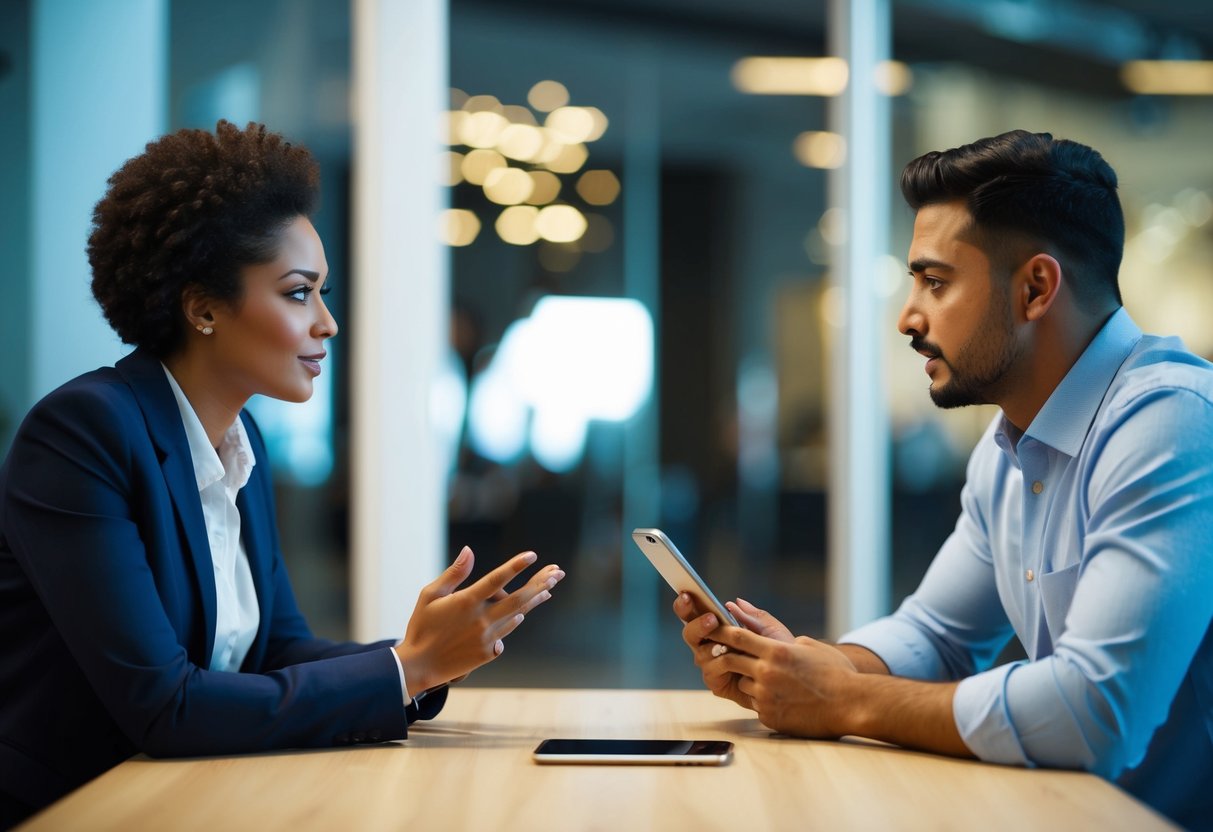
1085, 518
144, 602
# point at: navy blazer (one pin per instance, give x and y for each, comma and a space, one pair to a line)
107, 603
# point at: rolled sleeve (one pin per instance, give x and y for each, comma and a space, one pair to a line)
901, 646
979, 708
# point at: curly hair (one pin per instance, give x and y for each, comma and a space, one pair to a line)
191, 211
1023, 186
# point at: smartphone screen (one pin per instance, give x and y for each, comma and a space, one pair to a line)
621, 751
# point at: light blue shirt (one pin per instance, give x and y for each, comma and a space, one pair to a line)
1090, 537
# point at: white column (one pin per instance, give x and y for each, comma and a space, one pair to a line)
859, 518
400, 310
99, 95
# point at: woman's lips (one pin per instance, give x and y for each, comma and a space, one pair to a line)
312, 362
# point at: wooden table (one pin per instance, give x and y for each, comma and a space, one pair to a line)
471, 770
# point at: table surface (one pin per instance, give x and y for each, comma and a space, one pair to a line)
471, 769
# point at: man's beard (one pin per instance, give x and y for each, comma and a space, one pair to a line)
981, 363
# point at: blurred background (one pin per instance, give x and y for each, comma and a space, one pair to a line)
636, 238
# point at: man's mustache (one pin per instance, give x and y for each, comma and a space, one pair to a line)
918, 345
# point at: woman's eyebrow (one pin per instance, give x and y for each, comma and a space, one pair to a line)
310, 275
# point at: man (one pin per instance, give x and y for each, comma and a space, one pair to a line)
1086, 525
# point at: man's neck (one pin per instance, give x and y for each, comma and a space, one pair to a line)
1054, 345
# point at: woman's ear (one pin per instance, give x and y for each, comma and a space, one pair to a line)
197, 309
1039, 285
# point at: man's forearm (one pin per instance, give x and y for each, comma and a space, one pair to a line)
905, 712
865, 660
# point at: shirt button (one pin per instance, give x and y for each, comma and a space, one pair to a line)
1030, 575
1037, 487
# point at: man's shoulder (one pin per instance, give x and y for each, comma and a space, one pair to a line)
1158, 367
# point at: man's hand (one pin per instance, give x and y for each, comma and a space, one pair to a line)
697, 631
454, 631
759, 621
797, 687
812, 689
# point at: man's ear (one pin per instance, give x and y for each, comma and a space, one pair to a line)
1039, 285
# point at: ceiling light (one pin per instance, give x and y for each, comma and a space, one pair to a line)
820, 149
547, 96
790, 76
458, 227
1168, 77
560, 223
598, 187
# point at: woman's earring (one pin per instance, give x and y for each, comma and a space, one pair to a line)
205, 330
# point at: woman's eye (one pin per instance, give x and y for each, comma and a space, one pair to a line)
300, 294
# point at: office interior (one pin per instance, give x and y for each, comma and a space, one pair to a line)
638, 240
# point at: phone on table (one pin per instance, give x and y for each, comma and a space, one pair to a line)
664, 555
635, 752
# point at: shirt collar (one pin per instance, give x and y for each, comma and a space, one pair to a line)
234, 461
1067, 414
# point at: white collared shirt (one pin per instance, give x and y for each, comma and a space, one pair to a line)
220, 476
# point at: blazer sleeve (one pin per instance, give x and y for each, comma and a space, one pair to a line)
91, 523
288, 638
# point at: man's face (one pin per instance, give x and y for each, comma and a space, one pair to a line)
958, 314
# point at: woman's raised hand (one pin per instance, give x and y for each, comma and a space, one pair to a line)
454, 631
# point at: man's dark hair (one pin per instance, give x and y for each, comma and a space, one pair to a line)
1029, 189
191, 211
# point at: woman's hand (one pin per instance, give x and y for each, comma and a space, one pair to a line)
454, 631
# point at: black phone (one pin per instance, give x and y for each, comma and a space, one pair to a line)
635, 752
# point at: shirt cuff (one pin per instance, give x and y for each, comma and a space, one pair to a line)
983, 717
404, 689
901, 646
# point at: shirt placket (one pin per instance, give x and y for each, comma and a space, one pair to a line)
1033, 460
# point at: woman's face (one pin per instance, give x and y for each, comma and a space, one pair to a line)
271, 341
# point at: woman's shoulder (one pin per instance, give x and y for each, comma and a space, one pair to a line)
94, 412
93, 395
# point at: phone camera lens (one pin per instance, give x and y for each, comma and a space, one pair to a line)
650, 538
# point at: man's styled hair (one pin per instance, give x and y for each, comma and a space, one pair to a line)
191, 211
1028, 189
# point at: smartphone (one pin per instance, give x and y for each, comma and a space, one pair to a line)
664, 555
635, 752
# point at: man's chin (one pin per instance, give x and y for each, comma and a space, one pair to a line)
949, 397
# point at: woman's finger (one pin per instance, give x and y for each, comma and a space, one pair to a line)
490, 584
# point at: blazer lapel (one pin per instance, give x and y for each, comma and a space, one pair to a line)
256, 534
145, 375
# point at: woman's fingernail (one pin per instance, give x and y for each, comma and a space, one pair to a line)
543, 596
710, 623
463, 556
498, 647
530, 557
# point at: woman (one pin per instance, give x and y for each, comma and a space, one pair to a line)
144, 604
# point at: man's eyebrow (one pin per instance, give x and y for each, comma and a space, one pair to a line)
310, 275
924, 263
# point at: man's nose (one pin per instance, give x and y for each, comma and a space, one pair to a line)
910, 321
